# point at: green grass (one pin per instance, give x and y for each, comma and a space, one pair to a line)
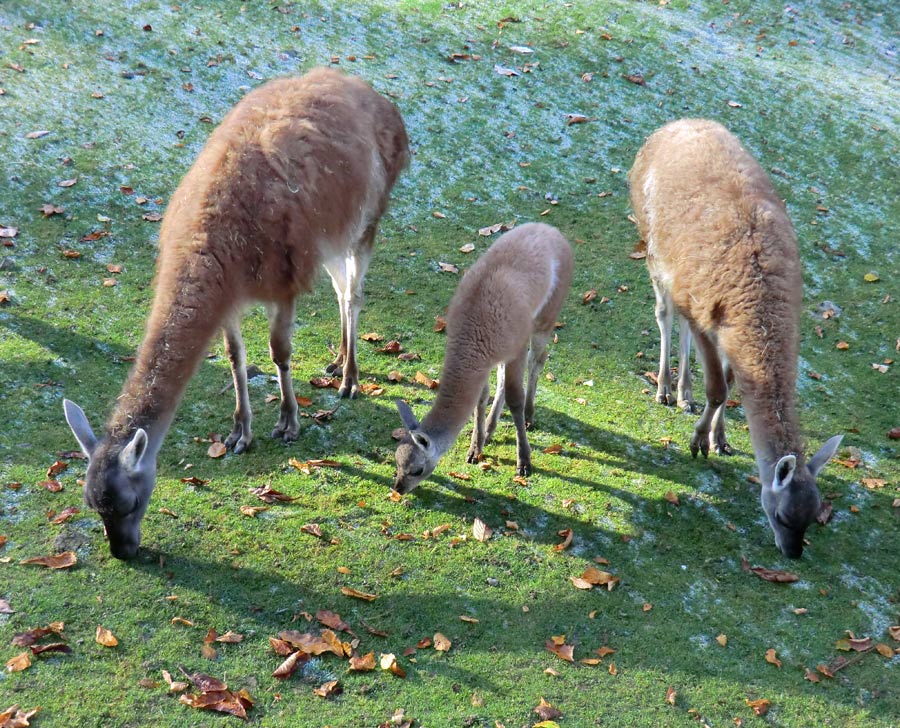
817, 91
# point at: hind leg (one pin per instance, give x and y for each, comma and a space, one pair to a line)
515, 399
537, 357
497, 405
685, 391
665, 313
716, 393
241, 435
281, 327
478, 430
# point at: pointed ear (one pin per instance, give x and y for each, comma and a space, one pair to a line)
406, 414
80, 427
784, 472
133, 453
826, 452
421, 439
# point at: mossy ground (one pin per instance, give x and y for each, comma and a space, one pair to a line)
129, 91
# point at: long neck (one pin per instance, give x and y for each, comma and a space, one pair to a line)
460, 389
770, 405
179, 329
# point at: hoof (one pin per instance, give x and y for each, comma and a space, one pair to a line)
236, 441
723, 449
699, 445
687, 406
523, 470
665, 398
348, 391
335, 369
473, 456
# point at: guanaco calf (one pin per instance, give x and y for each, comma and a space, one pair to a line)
296, 176
502, 315
721, 252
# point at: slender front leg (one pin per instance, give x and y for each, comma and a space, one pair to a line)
716, 392
337, 271
515, 399
665, 311
478, 437
537, 357
281, 327
241, 435
685, 390
497, 405
717, 441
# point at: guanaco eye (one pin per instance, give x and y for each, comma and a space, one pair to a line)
416, 473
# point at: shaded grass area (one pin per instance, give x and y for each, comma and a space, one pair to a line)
812, 95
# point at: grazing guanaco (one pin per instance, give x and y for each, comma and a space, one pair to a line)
722, 253
295, 177
502, 315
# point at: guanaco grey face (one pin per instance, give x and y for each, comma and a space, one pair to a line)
118, 483
415, 456
792, 501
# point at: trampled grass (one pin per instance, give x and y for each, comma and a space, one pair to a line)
129, 92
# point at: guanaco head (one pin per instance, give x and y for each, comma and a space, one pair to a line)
792, 501
416, 455
119, 481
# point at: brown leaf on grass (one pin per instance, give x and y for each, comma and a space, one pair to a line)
495, 228
51, 647
5, 608
287, 667
356, 594
395, 376
612, 669
64, 515
221, 701
371, 389
251, 511
671, 695
388, 661
873, 483
268, 494
481, 531
440, 324
152, 216
759, 707
326, 382
194, 480
364, 663
562, 651
459, 476
174, 686
640, 250
884, 650
546, 711
894, 433
588, 296
772, 658
372, 336
313, 529
672, 498
58, 467
597, 577
281, 647
426, 381
580, 583
230, 637
54, 486
8, 232
635, 78
567, 534
894, 632
216, 450
774, 575
60, 561
555, 449
308, 466
12, 717
18, 663
441, 643
604, 651
333, 620
448, 268
329, 689
29, 637
811, 676
392, 347
105, 637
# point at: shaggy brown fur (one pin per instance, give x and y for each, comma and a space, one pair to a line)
721, 249
296, 177
503, 314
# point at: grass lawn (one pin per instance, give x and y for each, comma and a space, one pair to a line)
129, 91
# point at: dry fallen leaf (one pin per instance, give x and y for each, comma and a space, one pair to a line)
722, 640
566, 533
364, 663
105, 637
18, 663
774, 575
562, 651
546, 711
671, 695
217, 450
251, 511
12, 717
772, 658
441, 643
388, 662
329, 689
481, 530
759, 707
60, 561
350, 592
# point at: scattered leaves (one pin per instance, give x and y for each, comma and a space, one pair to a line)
388, 661
566, 533
18, 663
560, 649
546, 711
356, 594
217, 450
759, 707
772, 658
441, 643
481, 531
